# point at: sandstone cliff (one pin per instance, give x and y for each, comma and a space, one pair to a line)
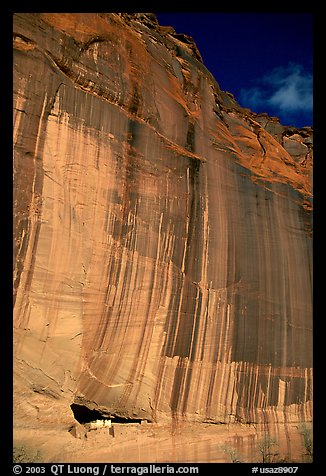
162, 233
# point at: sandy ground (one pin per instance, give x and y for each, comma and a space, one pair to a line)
151, 443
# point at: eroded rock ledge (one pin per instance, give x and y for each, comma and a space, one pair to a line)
162, 232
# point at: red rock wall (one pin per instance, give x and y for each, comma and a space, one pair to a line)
162, 233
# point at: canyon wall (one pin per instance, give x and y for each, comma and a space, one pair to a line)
162, 233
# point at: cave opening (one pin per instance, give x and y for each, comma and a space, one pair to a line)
84, 415
119, 419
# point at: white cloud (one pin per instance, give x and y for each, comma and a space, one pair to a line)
286, 90
293, 88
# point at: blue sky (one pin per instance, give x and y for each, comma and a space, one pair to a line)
264, 59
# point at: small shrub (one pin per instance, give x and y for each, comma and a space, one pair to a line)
266, 449
21, 454
307, 437
232, 452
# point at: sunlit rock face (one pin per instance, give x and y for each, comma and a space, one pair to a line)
162, 233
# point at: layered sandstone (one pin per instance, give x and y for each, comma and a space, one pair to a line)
162, 233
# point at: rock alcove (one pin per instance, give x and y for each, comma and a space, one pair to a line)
85, 415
